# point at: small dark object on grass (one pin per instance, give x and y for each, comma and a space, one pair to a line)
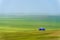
41, 29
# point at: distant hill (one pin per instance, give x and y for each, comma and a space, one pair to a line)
49, 18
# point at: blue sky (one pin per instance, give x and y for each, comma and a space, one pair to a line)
51, 7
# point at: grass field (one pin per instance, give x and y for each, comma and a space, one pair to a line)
21, 29
20, 34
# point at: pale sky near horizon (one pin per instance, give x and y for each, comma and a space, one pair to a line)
51, 7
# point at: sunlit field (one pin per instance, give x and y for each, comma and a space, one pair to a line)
29, 19
22, 29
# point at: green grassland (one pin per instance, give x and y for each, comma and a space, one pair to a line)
26, 29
